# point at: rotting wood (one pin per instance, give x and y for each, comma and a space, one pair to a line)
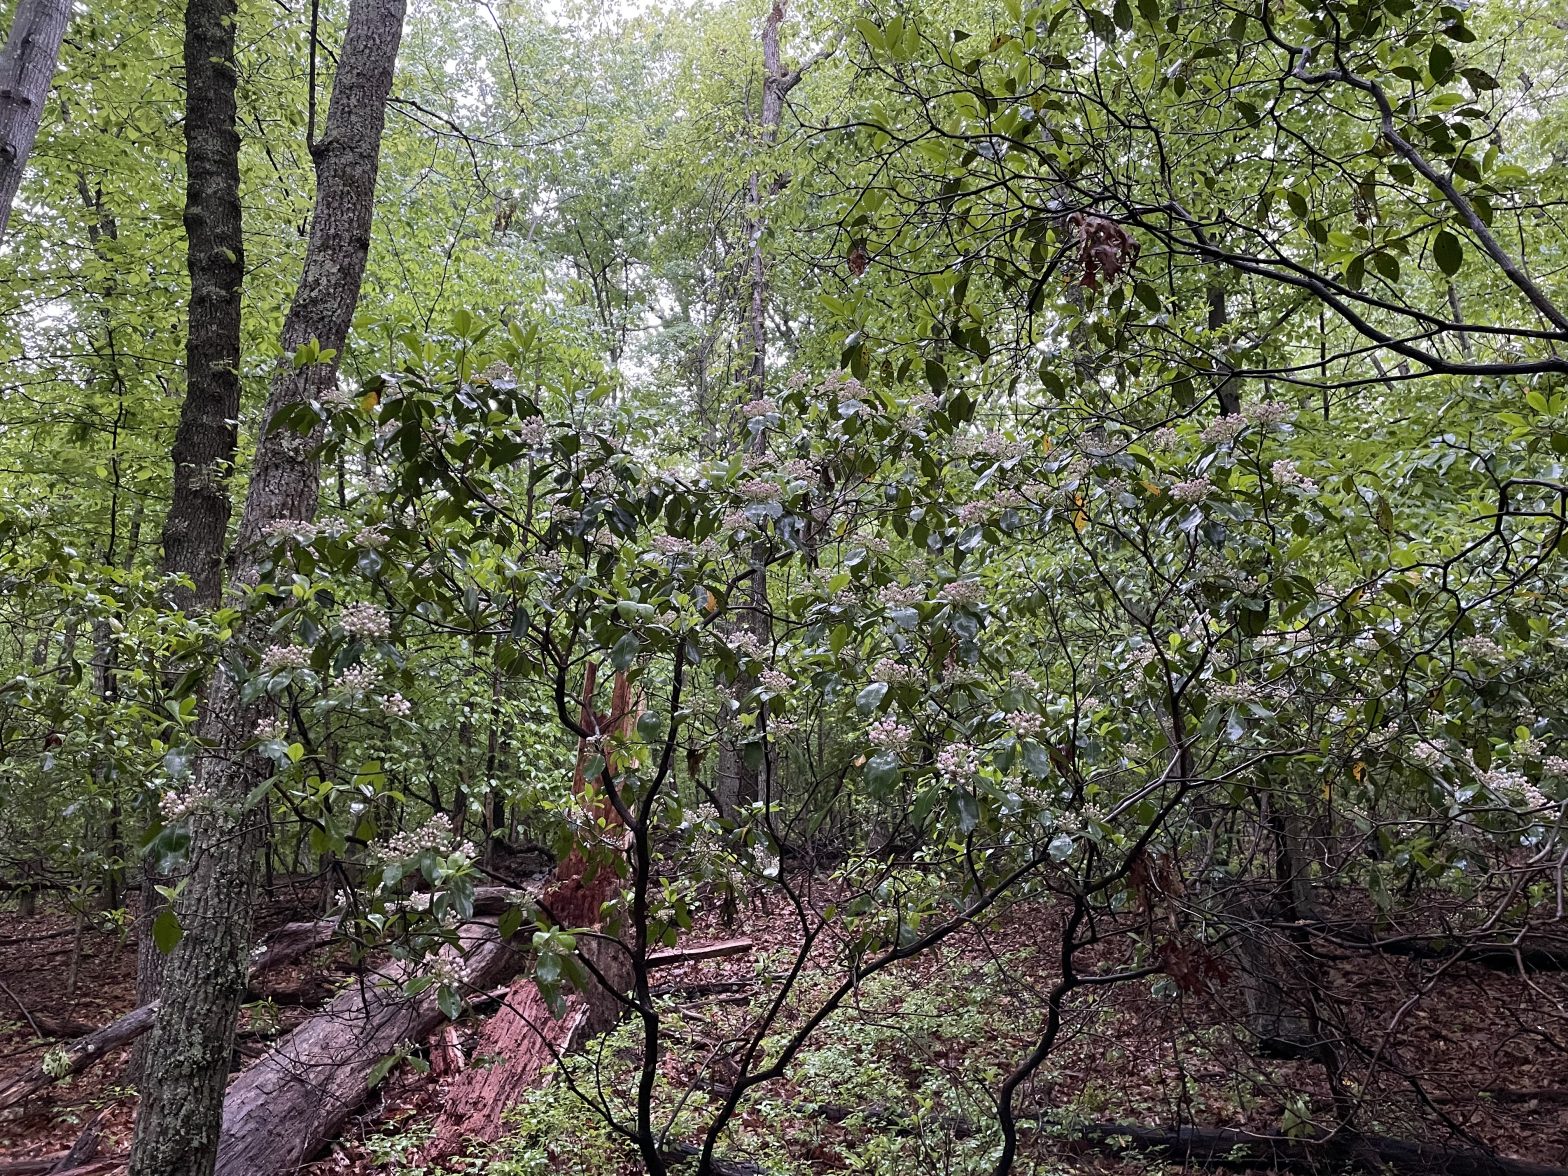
698, 952
519, 1044
286, 1107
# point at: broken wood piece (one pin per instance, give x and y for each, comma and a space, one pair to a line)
287, 1106
697, 952
86, 1145
75, 1057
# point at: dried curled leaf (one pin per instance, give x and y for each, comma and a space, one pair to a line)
1105, 249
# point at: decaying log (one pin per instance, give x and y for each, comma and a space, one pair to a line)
282, 1110
289, 942
93, 1047
86, 1146
78, 1055
520, 1043
697, 952
516, 1047
1538, 952
1228, 1147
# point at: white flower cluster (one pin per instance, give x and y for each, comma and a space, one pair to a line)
1515, 786
365, 620
1232, 691
1426, 754
447, 972
1268, 412
1141, 657
284, 657
744, 641
371, 537
923, 402
799, 469
887, 732
1482, 649
958, 761
299, 531
900, 595
990, 444
737, 522
176, 806
435, 834
758, 490
1224, 429
762, 406
1163, 439
894, 673
776, 680
1555, 765
534, 433
270, 729
1285, 473
963, 593
1193, 490
396, 706
359, 679
671, 545
1025, 724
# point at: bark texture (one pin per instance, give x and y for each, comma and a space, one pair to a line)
526, 1035
284, 1108
195, 533
26, 67
204, 978
196, 529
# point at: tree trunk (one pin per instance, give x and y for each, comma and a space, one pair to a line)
195, 534
526, 1035
204, 982
196, 529
26, 67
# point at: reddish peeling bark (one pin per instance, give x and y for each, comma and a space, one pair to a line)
525, 1035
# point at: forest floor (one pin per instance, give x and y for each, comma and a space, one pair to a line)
901, 1080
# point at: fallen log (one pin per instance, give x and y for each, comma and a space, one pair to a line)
93, 1047
77, 1055
86, 1146
283, 1109
1229, 1147
697, 952
289, 942
1536, 953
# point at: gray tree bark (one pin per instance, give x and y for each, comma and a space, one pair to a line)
177, 1129
26, 67
195, 534
736, 782
196, 530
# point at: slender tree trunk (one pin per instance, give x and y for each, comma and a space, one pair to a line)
737, 781
188, 1055
195, 534
26, 67
195, 531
